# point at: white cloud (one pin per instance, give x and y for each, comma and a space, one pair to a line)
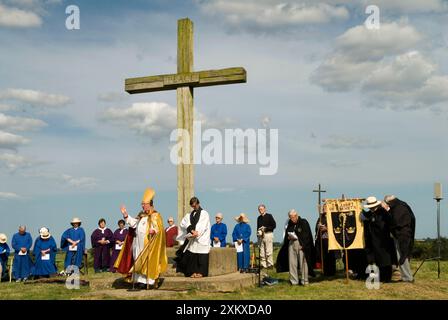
343, 142
408, 6
340, 73
407, 82
6, 107
112, 97
11, 141
17, 18
344, 163
156, 119
357, 52
65, 179
406, 72
434, 90
271, 14
35, 98
81, 182
8, 195
33, 3
19, 123
14, 161
360, 43
384, 66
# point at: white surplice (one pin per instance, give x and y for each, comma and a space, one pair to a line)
200, 244
141, 228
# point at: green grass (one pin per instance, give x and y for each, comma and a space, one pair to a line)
426, 286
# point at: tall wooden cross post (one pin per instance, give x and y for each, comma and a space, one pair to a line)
183, 82
319, 209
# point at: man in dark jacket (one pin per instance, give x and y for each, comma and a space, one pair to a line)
402, 228
379, 247
297, 254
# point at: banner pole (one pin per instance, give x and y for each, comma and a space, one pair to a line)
344, 217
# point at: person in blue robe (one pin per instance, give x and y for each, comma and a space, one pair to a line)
4, 254
73, 242
218, 232
45, 250
241, 234
22, 265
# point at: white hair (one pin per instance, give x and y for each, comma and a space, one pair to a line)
389, 198
292, 212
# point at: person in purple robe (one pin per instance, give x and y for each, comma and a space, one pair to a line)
22, 266
45, 250
102, 239
118, 241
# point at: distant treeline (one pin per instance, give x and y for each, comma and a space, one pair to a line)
424, 248
428, 248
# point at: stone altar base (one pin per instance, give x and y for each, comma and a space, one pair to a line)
223, 277
221, 261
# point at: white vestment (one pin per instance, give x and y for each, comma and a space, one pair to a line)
141, 227
200, 244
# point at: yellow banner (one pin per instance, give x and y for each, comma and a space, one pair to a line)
345, 228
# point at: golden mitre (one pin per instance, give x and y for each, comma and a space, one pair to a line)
148, 195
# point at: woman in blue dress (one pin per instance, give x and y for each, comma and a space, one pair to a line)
241, 237
45, 250
73, 242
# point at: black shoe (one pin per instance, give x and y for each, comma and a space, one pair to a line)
159, 282
141, 286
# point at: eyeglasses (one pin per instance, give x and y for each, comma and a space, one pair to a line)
170, 221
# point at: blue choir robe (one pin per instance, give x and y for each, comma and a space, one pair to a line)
4, 254
22, 265
242, 232
45, 267
73, 257
219, 230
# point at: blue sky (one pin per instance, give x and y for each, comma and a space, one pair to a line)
363, 112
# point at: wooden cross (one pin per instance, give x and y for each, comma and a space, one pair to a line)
319, 209
319, 201
183, 82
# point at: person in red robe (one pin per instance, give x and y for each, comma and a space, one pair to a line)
171, 233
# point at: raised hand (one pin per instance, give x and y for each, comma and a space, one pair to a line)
124, 212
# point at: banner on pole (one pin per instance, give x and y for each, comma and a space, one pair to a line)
345, 228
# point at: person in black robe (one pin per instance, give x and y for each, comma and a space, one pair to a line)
329, 257
402, 228
297, 236
380, 248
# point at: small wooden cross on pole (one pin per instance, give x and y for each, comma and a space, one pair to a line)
319, 209
319, 199
183, 82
